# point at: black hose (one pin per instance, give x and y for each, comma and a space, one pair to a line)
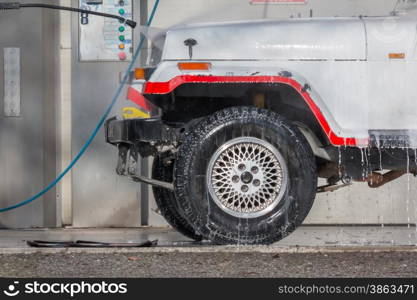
9, 5
17, 5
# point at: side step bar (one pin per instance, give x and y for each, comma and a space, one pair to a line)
153, 182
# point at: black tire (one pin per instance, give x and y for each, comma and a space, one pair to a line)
191, 188
165, 199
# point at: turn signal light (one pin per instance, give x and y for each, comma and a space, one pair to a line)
139, 73
194, 66
396, 55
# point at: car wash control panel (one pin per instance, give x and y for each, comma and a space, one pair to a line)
104, 39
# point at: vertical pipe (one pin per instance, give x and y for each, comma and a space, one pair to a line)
64, 188
49, 48
144, 162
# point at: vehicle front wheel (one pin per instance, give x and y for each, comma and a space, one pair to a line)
245, 176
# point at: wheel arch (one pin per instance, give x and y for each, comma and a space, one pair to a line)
184, 95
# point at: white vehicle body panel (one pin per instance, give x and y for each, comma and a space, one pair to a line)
391, 83
304, 39
346, 62
332, 110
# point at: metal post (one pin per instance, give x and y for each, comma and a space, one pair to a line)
50, 46
144, 162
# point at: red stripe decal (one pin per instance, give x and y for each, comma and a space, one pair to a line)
169, 86
136, 97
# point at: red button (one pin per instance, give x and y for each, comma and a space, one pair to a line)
122, 56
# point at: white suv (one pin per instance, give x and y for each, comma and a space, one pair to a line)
252, 113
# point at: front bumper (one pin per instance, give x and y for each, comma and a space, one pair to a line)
137, 138
135, 131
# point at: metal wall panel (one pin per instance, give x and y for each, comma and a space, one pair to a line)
26, 164
11, 82
100, 197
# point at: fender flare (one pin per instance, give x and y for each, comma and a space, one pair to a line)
296, 82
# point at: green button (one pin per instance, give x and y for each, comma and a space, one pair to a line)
122, 38
121, 28
121, 11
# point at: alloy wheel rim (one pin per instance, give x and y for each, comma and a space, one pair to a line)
247, 177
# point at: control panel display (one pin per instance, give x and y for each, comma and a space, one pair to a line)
105, 39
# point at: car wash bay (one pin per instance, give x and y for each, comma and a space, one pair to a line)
62, 96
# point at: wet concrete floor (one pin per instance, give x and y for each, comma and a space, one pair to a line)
312, 251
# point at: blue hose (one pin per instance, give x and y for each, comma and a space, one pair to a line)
96, 130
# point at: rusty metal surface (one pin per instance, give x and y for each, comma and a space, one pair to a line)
376, 180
